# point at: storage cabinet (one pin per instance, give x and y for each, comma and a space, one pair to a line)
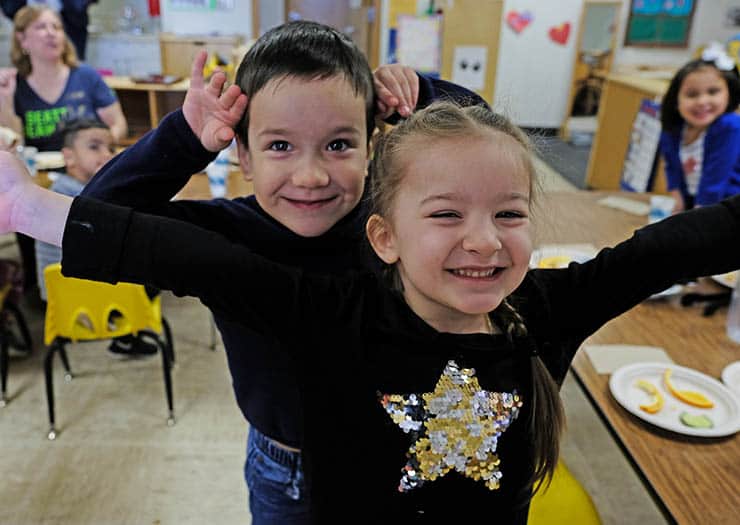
177, 51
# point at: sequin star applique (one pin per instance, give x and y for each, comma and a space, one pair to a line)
455, 427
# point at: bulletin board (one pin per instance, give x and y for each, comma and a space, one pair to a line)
659, 23
638, 172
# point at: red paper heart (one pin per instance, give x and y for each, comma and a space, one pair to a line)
560, 33
518, 21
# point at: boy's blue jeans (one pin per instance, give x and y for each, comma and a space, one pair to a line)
277, 492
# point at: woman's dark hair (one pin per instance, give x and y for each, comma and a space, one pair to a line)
448, 121
670, 118
67, 129
306, 50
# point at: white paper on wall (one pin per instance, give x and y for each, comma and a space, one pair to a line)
469, 66
419, 41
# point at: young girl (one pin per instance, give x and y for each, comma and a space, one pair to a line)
434, 393
700, 142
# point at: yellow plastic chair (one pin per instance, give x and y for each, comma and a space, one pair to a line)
564, 502
80, 310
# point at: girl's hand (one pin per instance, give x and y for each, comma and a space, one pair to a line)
397, 87
7, 83
14, 183
210, 113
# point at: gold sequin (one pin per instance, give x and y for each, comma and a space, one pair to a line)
455, 427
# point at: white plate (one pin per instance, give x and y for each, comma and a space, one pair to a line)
727, 279
49, 160
731, 377
725, 414
558, 256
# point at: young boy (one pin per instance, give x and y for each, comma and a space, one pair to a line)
304, 144
87, 145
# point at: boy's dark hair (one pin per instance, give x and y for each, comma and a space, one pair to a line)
670, 118
306, 50
67, 130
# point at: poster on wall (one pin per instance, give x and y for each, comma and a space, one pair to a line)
639, 166
418, 43
201, 5
659, 23
469, 66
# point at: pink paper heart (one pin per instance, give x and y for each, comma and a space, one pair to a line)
518, 21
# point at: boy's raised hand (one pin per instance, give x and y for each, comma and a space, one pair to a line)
211, 113
397, 88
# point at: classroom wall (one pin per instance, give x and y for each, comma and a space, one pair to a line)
183, 21
534, 73
708, 24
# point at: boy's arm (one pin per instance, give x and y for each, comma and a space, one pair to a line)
401, 90
149, 173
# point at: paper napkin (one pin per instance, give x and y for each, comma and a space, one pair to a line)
629, 205
608, 358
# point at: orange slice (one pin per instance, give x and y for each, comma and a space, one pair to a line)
658, 399
689, 397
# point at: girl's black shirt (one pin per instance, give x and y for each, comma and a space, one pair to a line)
357, 341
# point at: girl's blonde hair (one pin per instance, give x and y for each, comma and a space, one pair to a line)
24, 18
446, 120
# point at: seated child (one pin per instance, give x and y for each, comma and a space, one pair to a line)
700, 141
87, 145
431, 394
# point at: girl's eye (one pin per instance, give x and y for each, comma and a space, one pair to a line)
279, 145
510, 214
447, 214
338, 145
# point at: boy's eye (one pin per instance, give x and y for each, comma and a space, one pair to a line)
279, 145
339, 145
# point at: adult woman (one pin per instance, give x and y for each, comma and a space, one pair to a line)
48, 84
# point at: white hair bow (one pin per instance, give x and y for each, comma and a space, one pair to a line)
715, 52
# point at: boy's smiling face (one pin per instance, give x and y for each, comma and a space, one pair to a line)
307, 151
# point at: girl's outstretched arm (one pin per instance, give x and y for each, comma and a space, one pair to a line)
28, 208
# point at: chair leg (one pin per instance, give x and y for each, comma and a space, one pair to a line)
48, 365
65, 362
168, 341
4, 363
167, 369
22, 326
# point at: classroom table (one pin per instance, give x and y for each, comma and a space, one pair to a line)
694, 480
197, 187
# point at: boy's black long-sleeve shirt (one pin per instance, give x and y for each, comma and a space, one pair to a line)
149, 173
356, 341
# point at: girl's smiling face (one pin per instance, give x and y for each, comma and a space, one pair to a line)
702, 97
459, 231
